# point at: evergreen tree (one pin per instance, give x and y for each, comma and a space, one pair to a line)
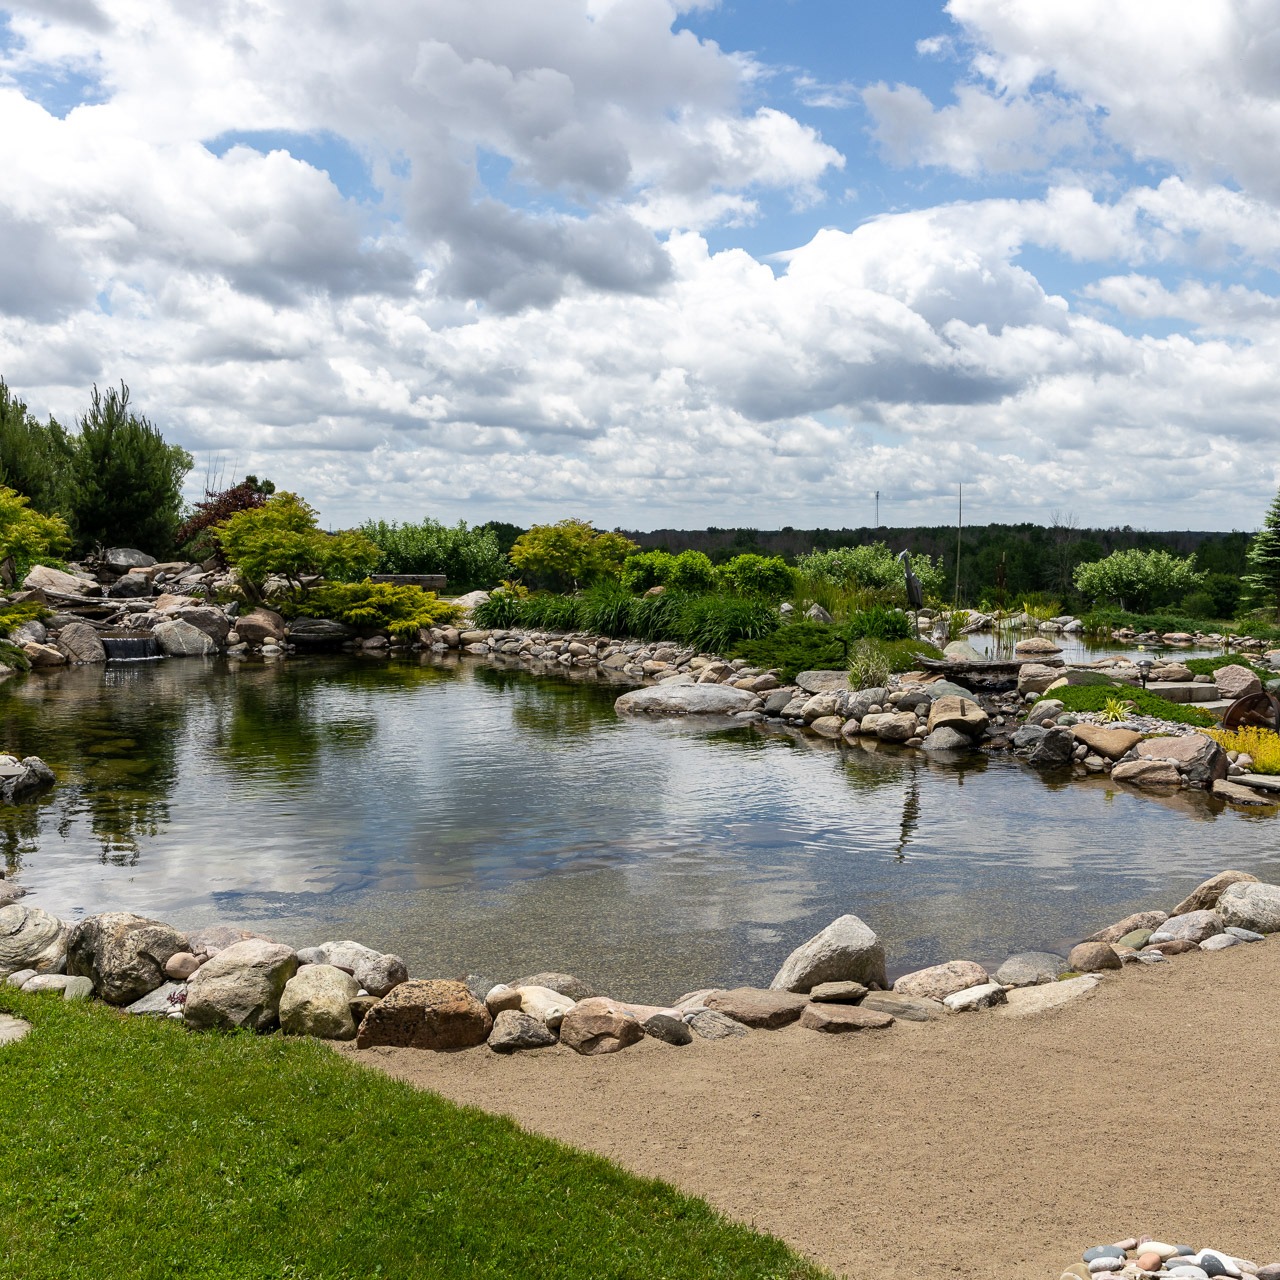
1263, 578
35, 457
128, 481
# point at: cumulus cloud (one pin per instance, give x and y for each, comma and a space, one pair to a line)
518, 310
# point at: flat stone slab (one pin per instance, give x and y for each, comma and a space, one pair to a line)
1259, 781
757, 1007
1024, 1001
837, 993
837, 1018
12, 1029
684, 700
823, 681
908, 1008
1233, 793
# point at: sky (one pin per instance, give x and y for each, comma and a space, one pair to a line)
661, 262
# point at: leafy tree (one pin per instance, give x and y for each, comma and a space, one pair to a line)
570, 553
26, 536
1137, 579
282, 537
128, 481
468, 558
35, 457
196, 538
1263, 578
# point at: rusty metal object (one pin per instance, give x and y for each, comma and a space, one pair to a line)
1255, 710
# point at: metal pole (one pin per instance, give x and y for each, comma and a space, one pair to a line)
955, 603
877, 508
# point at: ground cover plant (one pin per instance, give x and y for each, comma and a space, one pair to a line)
1094, 697
380, 606
817, 646
131, 1149
1262, 744
1207, 666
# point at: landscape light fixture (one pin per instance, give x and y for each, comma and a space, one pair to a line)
1144, 666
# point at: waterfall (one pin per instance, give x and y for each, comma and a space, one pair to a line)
130, 648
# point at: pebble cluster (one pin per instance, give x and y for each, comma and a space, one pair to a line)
1141, 1256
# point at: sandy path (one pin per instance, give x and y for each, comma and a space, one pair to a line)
976, 1147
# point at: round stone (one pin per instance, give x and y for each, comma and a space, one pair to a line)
1103, 1251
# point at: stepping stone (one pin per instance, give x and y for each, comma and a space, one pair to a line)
12, 1029
1023, 1001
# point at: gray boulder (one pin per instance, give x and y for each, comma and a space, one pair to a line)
318, 633
667, 1027
33, 632
122, 954
947, 740
261, 626
345, 955
213, 622
31, 938
1251, 906
382, 974
564, 984
180, 639
80, 644
858, 705
30, 774
514, 1031
133, 586
122, 559
241, 986
1192, 926
685, 700
1030, 968
845, 951
164, 1002
1055, 750
316, 1001
710, 1025
823, 681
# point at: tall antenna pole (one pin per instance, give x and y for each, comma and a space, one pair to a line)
955, 603
877, 508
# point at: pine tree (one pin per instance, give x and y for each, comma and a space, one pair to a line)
1263, 578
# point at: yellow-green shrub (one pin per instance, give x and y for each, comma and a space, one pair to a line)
1262, 744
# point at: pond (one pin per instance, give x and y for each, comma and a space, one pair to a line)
474, 818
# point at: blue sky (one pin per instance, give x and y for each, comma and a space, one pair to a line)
475, 258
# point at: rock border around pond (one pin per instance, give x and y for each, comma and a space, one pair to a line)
224, 978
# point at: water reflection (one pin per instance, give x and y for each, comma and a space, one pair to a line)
475, 817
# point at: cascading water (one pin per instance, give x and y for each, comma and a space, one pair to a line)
132, 647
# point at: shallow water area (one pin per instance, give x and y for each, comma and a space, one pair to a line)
476, 818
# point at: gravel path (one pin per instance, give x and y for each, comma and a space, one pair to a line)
977, 1147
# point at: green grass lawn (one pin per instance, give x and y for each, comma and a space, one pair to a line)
133, 1148
1094, 697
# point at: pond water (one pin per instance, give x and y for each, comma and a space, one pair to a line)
474, 818
1080, 648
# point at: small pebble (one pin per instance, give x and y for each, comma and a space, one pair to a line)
1187, 1271
1149, 1261
1106, 1263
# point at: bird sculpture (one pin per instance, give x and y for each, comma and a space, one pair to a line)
915, 592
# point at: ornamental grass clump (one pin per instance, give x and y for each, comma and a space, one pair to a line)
869, 668
1263, 745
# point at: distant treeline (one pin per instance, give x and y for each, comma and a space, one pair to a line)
999, 563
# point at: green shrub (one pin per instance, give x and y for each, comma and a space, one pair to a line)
872, 565
815, 646
691, 571
468, 558
646, 569
1094, 697
1207, 666
382, 606
14, 615
769, 577
500, 612
714, 624
657, 617
570, 554
547, 612
879, 624
282, 537
26, 536
12, 656
869, 668
1142, 578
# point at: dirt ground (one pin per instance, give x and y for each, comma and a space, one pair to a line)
981, 1146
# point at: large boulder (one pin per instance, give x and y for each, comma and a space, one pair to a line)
548, 1006
241, 986
1251, 906
213, 622
44, 655
1236, 682
80, 644
961, 714
382, 975
345, 955
1149, 920
261, 626
1204, 897
436, 1013
1030, 969
1151, 774
823, 681
31, 938
599, 1025
1093, 957
755, 1007
42, 578
32, 631
122, 559
19, 778
944, 739
123, 955
564, 984
1035, 677
514, 1031
316, 1001
942, 980
1193, 926
1054, 750
319, 633
180, 639
1111, 744
685, 700
847, 950
1200, 759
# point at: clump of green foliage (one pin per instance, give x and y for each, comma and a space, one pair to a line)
872, 565
282, 537
1263, 579
90, 1175
769, 577
468, 558
196, 538
1094, 697
816, 646
869, 668
714, 623
688, 571
14, 615
12, 656
570, 554
1207, 666
379, 606
26, 536
878, 623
